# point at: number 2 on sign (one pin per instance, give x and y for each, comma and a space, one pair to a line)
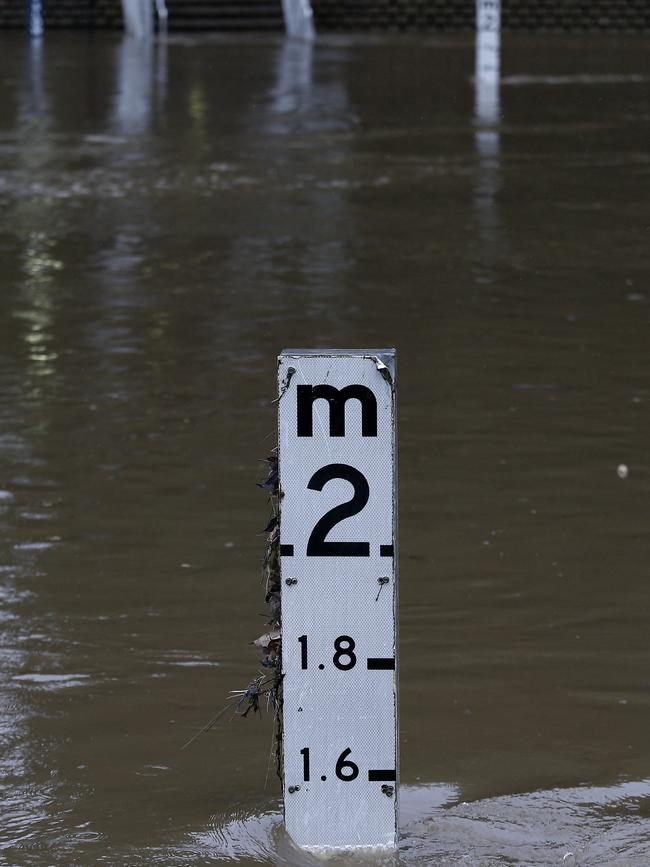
317, 546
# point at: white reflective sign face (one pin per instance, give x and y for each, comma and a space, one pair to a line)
338, 538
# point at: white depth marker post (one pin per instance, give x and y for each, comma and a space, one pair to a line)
338, 534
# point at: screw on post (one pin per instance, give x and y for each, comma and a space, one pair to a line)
381, 582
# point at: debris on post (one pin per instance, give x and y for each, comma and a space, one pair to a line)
264, 692
271, 642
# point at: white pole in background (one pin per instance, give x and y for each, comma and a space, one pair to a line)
488, 60
338, 538
299, 19
138, 18
487, 134
161, 9
35, 18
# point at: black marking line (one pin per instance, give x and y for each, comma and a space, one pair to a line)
379, 663
286, 550
379, 776
386, 551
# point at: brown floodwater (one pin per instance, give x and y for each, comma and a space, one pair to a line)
171, 216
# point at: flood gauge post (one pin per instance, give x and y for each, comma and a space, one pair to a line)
338, 555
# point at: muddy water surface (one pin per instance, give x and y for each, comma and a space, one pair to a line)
170, 218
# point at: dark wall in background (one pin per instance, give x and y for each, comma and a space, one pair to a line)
102, 14
395, 15
533, 15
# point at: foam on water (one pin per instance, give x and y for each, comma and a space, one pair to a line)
51, 680
590, 826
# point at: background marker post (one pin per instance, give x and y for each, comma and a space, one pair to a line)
338, 531
35, 18
487, 63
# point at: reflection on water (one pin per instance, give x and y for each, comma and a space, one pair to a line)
583, 826
197, 205
141, 86
294, 77
33, 105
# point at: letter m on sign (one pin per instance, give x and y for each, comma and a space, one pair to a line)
336, 399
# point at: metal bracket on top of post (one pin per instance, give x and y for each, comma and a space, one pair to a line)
338, 547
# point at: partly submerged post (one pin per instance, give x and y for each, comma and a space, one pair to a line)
138, 18
487, 115
299, 19
488, 58
163, 14
338, 547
